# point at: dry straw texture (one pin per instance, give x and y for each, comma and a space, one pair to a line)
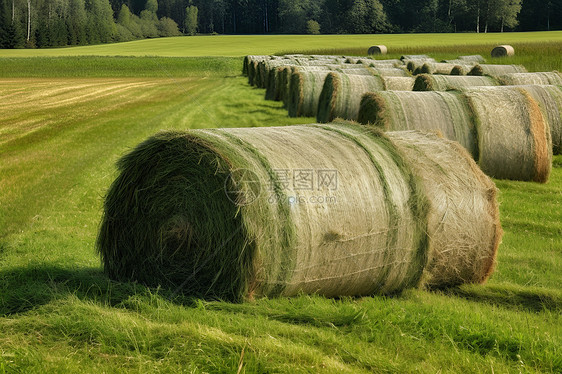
513, 135
503, 51
398, 83
304, 92
550, 102
445, 112
463, 222
496, 70
426, 82
341, 95
377, 50
167, 219
553, 77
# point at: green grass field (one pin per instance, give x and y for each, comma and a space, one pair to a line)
64, 121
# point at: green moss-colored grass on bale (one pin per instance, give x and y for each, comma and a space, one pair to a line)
304, 92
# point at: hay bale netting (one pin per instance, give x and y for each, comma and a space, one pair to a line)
545, 78
286, 79
503, 51
209, 213
473, 59
550, 101
377, 50
496, 70
398, 83
341, 95
444, 112
416, 57
437, 68
513, 136
427, 82
304, 92
391, 72
464, 226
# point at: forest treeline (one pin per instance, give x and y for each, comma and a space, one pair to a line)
47, 23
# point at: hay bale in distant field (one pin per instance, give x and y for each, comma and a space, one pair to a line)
427, 82
398, 83
545, 78
341, 95
304, 92
550, 101
503, 51
513, 135
209, 214
377, 50
464, 226
446, 112
496, 70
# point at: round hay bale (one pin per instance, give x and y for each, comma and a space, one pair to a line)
252, 72
549, 99
464, 226
212, 213
354, 69
437, 68
416, 57
248, 59
377, 50
503, 51
445, 112
459, 69
513, 135
545, 78
398, 83
475, 59
304, 92
496, 70
427, 82
391, 72
286, 78
341, 95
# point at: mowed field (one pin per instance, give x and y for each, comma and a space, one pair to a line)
65, 121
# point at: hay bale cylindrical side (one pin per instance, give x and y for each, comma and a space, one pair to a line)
398, 83
304, 92
444, 112
427, 82
377, 50
243, 213
473, 59
543, 78
437, 68
341, 95
549, 99
503, 51
513, 135
464, 226
252, 71
392, 72
496, 70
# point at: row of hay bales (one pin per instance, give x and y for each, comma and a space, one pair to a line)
332, 91
409, 209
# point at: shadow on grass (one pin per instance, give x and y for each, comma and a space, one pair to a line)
512, 297
25, 288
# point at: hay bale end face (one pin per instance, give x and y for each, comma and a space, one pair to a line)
503, 51
514, 138
377, 50
464, 238
209, 212
304, 92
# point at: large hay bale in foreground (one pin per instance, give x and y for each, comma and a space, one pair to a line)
503, 51
545, 78
445, 112
549, 99
377, 50
464, 226
513, 135
496, 70
398, 83
304, 92
341, 95
427, 82
212, 213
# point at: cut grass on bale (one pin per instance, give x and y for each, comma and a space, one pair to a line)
60, 313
